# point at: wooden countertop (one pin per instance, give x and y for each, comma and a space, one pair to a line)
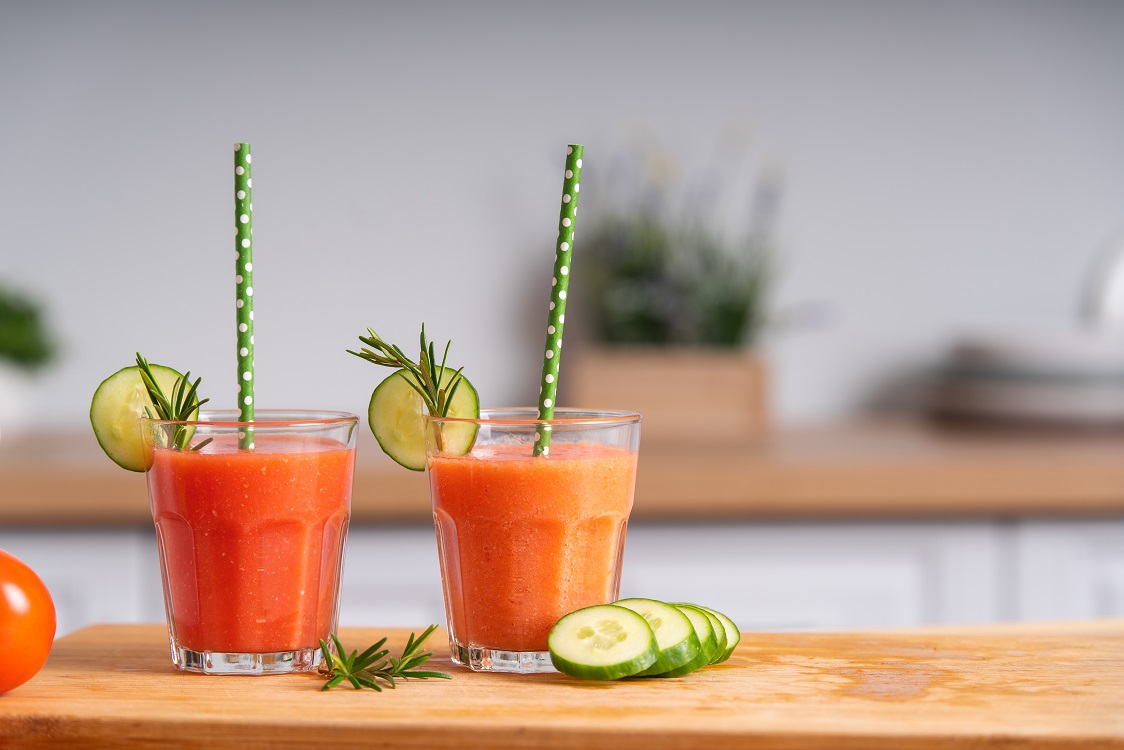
1031, 687
886, 470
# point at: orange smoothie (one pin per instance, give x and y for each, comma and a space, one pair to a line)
525, 540
251, 542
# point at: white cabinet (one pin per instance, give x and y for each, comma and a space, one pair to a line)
767, 576
391, 574
94, 575
798, 576
1075, 568
391, 577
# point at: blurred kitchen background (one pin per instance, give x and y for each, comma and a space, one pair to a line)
923, 203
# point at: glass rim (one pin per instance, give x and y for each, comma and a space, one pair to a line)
569, 416
263, 418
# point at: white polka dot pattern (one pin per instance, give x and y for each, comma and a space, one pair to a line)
244, 286
558, 283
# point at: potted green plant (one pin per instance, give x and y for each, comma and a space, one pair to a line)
26, 347
24, 340
652, 283
673, 314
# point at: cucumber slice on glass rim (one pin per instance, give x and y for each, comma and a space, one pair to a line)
116, 411
397, 418
675, 636
704, 630
602, 642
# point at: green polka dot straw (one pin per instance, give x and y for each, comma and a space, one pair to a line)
244, 286
559, 283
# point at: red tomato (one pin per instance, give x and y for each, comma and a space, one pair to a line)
27, 623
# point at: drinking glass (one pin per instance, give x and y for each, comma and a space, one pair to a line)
251, 520
525, 539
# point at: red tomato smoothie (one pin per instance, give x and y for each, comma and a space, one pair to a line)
525, 540
251, 542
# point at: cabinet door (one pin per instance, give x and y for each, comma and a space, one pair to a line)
820, 576
93, 576
1070, 569
391, 577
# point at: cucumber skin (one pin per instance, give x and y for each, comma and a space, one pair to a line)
707, 651
716, 625
681, 659
710, 645
625, 669
719, 634
700, 660
729, 652
737, 635
605, 672
675, 656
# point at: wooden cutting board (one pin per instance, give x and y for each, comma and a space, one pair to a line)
1044, 686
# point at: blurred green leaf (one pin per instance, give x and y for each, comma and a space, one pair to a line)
649, 282
24, 339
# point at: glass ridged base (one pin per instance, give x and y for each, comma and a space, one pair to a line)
481, 659
220, 662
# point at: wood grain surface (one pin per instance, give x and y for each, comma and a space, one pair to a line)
1043, 686
865, 470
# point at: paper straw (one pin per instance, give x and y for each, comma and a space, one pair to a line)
244, 287
548, 392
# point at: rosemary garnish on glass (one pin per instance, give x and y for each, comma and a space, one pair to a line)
183, 405
424, 376
366, 669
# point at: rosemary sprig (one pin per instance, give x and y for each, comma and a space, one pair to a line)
424, 376
374, 664
183, 404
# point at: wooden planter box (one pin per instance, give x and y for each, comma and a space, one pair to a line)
686, 395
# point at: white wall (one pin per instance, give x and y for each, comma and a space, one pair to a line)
947, 164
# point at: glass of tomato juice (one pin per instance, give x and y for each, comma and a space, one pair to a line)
251, 520
526, 539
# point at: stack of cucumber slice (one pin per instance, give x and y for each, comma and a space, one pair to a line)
640, 638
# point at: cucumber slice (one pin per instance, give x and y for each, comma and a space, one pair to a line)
716, 626
602, 642
704, 630
733, 635
397, 418
117, 408
675, 636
